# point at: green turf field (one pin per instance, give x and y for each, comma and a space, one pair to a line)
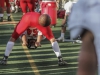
40, 61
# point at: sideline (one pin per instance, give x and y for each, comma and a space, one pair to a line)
6, 22
30, 59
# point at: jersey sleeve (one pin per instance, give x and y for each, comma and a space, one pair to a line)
21, 26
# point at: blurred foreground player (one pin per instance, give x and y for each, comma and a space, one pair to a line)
2, 5
84, 20
41, 22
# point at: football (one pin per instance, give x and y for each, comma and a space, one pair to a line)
44, 20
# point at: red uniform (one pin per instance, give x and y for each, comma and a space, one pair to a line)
31, 20
17, 3
4, 1
29, 3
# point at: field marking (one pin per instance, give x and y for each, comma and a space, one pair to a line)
30, 59
7, 22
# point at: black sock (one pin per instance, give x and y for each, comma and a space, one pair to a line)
5, 57
60, 59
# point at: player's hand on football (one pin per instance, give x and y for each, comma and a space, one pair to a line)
37, 44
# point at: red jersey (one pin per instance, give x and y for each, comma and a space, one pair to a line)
17, 2
30, 19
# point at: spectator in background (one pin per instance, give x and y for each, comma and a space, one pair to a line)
30, 4
67, 8
15, 5
2, 6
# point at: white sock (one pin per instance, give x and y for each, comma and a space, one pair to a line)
8, 14
16, 6
9, 48
1, 15
56, 48
62, 35
12, 8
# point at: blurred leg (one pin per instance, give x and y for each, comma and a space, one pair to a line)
17, 5
87, 57
8, 6
31, 5
1, 10
8, 10
62, 35
1, 14
23, 6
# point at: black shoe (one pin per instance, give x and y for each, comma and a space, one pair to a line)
3, 62
9, 18
61, 62
1, 19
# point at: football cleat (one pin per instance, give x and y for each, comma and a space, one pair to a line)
61, 62
3, 62
1, 19
9, 18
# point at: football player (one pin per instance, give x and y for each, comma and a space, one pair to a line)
67, 8
17, 4
24, 4
2, 5
41, 22
30, 4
